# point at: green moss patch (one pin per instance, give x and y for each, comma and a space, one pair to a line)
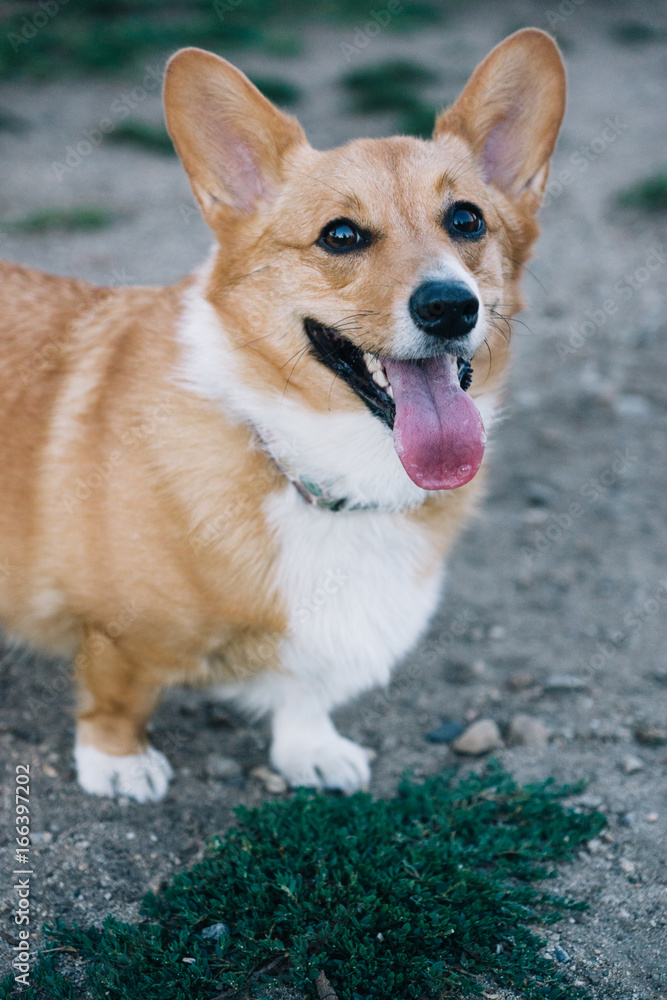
649, 195
430, 894
83, 36
79, 217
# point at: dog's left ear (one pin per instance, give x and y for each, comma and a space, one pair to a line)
510, 112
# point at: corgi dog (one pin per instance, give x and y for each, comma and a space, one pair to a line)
251, 478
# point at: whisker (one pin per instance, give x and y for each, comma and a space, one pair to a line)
236, 281
256, 340
333, 382
528, 270
299, 356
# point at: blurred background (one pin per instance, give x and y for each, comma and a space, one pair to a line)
84, 148
556, 607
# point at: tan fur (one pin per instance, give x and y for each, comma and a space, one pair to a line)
112, 471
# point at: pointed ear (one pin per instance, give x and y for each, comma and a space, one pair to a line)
510, 112
230, 138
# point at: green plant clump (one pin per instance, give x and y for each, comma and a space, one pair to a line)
426, 895
388, 86
649, 195
153, 138
79, 217
394, 86
83, 36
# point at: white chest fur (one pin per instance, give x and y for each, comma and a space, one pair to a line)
357, 591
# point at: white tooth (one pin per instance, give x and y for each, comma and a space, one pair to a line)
390, 391
380, 378
372, 363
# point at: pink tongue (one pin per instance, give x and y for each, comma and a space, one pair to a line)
438, 432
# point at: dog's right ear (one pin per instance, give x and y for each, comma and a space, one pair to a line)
231, 140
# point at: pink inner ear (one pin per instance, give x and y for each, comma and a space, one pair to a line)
245, 181
234, 163
501, 157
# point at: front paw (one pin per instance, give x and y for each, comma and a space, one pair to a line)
143, 777
327, 761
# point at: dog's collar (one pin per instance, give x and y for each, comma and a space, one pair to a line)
313, 493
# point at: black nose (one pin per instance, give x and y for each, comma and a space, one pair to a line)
445, 309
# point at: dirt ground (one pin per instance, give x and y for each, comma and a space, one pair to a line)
564, 572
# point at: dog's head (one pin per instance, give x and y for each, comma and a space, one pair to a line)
372, 274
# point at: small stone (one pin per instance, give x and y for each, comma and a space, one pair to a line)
632, 764
632, 406
651, 736
459, 672
479, 668
590, 801
41, 837
446, 732
628, 819
627, 866
222, 768
527, 731
561, 954
594, 845
540, 494
652, 818
625, 914
214, 932
565, 682
479, 738
520, 680
218, 715
272, 782
535, 516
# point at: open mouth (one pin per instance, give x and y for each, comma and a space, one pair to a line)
438, 432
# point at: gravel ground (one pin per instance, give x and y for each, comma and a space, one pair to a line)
561, 576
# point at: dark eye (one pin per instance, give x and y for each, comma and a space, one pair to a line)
464, 219
341, 235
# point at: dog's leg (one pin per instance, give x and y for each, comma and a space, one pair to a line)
306, 748
117, 697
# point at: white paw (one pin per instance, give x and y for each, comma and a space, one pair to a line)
140, 776
329, 761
